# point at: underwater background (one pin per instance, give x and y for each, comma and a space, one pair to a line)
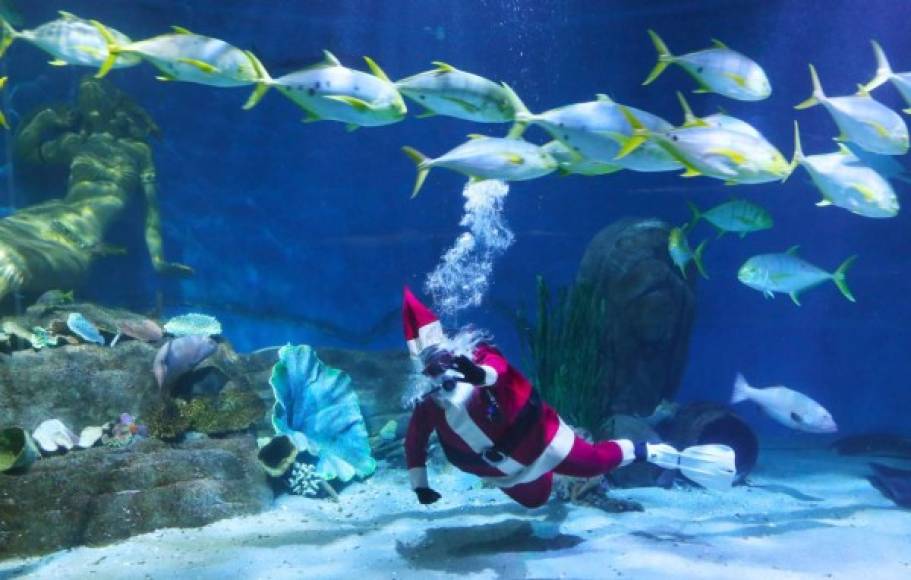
306, 233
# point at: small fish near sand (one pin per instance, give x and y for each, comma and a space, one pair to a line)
862, 119
678, 247
892, 482
786, 406
718, 70
737, 216
483, 157
787, 273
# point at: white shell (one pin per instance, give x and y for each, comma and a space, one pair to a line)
89, 437
53, 434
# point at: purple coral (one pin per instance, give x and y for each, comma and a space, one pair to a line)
179, 356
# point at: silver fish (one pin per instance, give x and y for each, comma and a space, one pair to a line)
788, 407
862, 119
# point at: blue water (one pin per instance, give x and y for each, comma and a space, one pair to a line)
306, 233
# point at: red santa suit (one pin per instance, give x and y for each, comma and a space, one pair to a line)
519, 447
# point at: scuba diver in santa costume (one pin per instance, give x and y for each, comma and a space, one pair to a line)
491, 422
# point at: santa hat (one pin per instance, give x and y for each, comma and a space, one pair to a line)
422, 327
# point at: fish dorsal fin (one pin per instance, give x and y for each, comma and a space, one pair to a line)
719, 44
843, 149
689, 119
67, 15
862, 91
604, 98
376, 70
180, 30
443, 67
474, 136
792, 251
329, 59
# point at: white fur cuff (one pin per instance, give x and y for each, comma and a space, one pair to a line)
628, 450
418, 476
490, 376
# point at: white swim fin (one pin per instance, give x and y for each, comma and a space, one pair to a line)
711, 466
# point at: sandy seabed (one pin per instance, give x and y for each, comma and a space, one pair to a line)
806, 514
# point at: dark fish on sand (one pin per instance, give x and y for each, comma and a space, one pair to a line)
894, 483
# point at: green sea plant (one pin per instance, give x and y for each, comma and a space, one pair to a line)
563, 347
317, 407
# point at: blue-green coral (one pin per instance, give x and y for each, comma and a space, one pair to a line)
316, 406
193, 324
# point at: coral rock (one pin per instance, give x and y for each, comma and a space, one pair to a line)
52, 435
193, 323
179, 356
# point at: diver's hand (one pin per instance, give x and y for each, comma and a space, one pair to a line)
426, 495
473, 373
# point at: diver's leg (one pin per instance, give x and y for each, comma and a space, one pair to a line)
534, 493
592, 459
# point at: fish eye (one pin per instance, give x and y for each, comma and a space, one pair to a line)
673, 137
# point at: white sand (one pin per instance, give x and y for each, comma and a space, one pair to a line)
809, 514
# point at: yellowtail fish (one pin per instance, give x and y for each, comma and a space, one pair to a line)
846, 182
738, 216
717, 70
451, 92
188, 57
788, 274
330, 91
678, 247
733, 156
862, 119
884, 74
572, 163
3, 122
71, 41
591, 130
482, 157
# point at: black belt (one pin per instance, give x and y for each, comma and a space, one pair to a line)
507, 443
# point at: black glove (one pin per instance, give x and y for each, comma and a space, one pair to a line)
473, 373
426, 495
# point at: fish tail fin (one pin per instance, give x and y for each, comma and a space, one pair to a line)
798, 152
883, 68
113, 49
639, 136
9, 34
264, 84
420, 160
841, 281
522, 114
697, 215
817, 96
741, 389
664, 57
697, 258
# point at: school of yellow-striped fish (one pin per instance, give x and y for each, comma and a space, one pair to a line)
598, 137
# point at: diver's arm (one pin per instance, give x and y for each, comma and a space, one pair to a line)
416, 438
153, 223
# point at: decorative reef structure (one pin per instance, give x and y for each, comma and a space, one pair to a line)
82, 164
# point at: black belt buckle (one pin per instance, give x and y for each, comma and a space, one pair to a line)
494, 456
